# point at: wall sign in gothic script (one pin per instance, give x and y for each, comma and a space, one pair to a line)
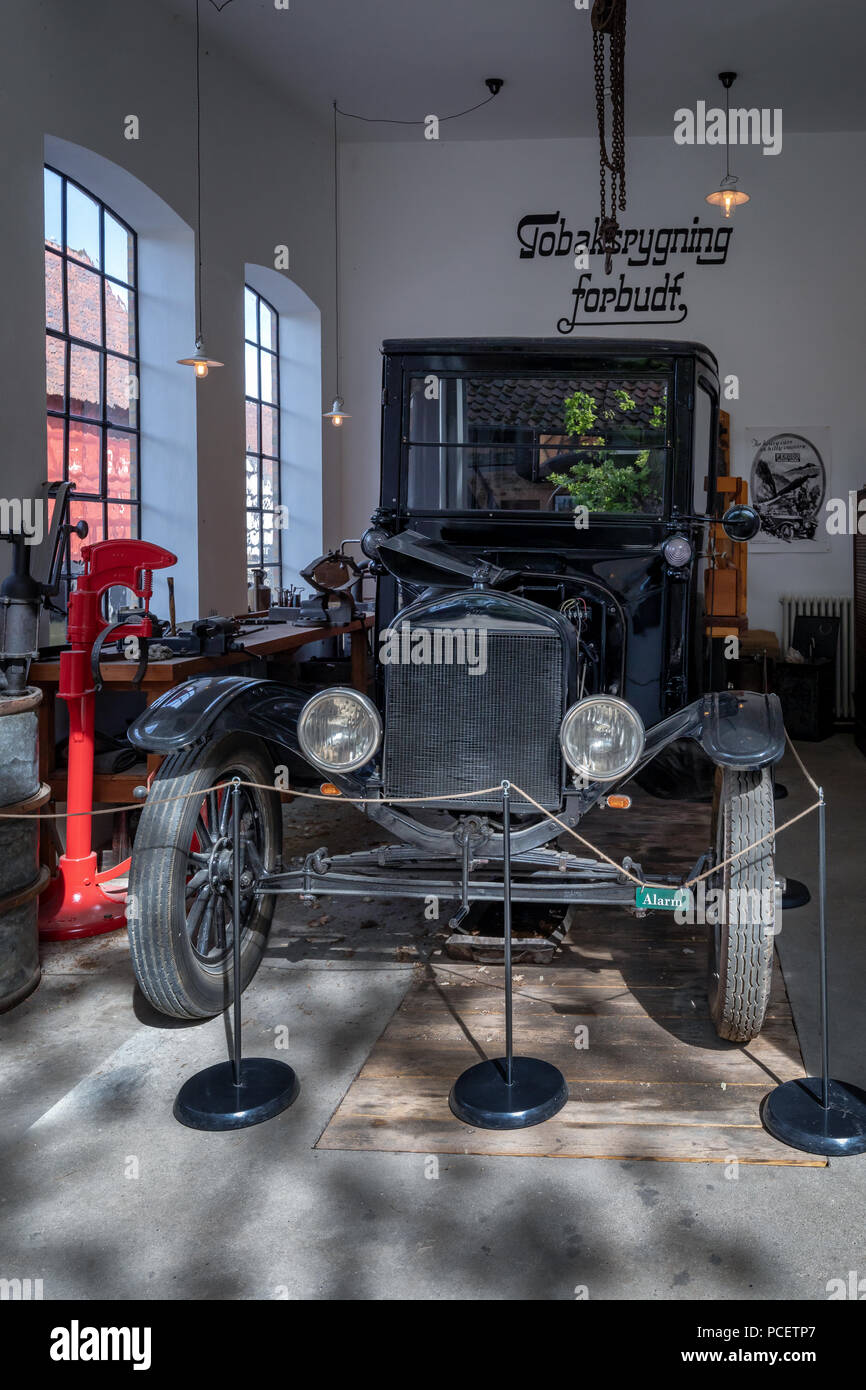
625, 298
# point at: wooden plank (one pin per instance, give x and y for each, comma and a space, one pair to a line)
109, 787
430, 1127
680, 1061
573, 984
593, 1103
285, 637
119, 672
588, 1004
655, 1082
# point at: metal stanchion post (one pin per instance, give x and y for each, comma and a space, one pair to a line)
242, 1092
236, 934
818, 1114
506, 932
510, 1092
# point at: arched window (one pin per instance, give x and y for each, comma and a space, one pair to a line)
262, 370
92, 367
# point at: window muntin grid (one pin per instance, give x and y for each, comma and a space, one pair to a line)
92, 361
262, 407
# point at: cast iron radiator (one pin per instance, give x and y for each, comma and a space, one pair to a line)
449, 730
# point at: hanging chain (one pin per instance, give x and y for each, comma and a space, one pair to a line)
609, 18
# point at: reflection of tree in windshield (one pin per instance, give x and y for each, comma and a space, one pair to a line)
539, 442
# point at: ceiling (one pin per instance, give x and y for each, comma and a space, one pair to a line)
405, 59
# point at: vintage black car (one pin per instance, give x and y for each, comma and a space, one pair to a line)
539, 548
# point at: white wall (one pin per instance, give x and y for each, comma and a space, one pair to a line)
75, 71
429, 247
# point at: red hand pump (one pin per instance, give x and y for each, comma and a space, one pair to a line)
75, 904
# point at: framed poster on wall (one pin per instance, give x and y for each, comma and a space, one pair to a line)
789, 478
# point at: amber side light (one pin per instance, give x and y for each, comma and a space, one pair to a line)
328, 789
618, 802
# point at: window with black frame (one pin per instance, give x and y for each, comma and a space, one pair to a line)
538, 443
92, 365
262, 368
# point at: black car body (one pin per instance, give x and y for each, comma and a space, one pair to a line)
548, 501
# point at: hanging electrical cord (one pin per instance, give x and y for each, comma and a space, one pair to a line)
337, 414
494, 83
199, 361
337, 252
199, 337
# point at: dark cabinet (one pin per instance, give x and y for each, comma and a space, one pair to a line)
860, 632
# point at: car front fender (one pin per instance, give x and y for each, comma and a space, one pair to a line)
741, 728
208, 706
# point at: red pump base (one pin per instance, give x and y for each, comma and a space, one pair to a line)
75, 904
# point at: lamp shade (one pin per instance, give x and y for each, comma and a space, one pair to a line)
200, 362
336, 414
727, 198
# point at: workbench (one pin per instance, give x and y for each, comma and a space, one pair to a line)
276, 639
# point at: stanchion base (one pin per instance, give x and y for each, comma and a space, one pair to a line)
481, 1098
796, 894
211, 1100
794, 1114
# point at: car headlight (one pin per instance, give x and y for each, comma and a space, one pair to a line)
339, 730
677, 550
602, 738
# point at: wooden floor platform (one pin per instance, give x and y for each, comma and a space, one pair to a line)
648, 1077
623, 1014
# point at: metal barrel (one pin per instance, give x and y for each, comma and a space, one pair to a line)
21, 879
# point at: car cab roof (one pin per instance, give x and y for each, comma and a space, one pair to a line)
552, 347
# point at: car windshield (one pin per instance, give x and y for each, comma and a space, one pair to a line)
538, 443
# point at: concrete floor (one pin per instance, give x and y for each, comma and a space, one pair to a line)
104, 1195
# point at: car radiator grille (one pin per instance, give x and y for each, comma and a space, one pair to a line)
447, 730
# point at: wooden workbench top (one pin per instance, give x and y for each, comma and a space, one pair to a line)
264, 641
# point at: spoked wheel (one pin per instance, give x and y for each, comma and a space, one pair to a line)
179, 907
741, 940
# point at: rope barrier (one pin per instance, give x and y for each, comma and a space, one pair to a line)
455, 796
802, 766
689, 882
258, 786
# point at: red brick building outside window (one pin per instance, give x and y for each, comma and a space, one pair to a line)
262, 375
91, 356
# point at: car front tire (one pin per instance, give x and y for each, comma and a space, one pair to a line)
741, 942
181, 935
